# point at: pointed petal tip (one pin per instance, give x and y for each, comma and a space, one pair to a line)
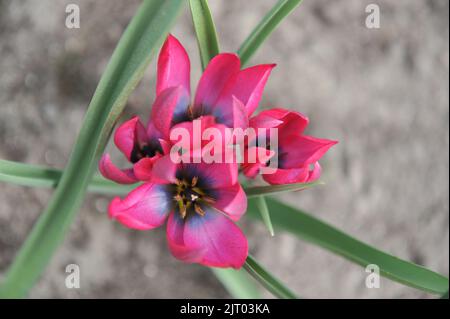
329, 143
334, 142
110, 171
173, 65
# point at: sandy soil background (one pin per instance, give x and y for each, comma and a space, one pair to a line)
382, 93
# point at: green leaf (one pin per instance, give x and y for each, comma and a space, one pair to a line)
28, 175
275, 189
38, 176
142, 38
237, 283
265, 28
267, 280
319, 233
205, 30
261, 205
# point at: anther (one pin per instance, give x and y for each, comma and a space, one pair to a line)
199, 210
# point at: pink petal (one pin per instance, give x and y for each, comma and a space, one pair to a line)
215, 175
288, 122
164, 170
143, 168
195, 142
234, 116
219, 241
165, 146
152, 132
175, 241
297, 151
218, 72
169, 108
287, 176
247, 86
251, 170
315, 173
231, 200
173, 66
255, 158
306, 174
144, 208
128, 135
112, 172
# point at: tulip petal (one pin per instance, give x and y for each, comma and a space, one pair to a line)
297, 151
169, 108
288, 122
287, 176
247, 86
165, 146
144, 208
164, 170
173, 66
315, 173
128, 135
153, 133
220, 242
214, 175
112, 172
255, 158
231, 200
218, 72
234, 116
306, 174
143, 168
200, 138
175, 241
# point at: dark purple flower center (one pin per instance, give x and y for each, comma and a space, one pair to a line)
192, 113
190, 197
145, 150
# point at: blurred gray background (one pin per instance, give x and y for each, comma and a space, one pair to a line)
383, 93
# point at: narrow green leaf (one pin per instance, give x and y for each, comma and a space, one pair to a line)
267, 280
288, 218
205, 30
28, 175
38, 176
275, 189
142, 38
265, 28
237, 283
319, 233
261, 205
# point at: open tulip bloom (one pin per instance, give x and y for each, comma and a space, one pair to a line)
199, 199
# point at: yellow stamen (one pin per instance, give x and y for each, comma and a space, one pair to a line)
182, 209
199, 210
208, 199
